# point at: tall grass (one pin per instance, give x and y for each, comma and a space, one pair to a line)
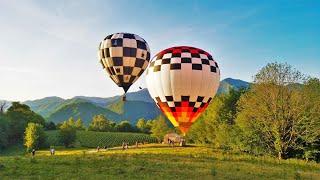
154, 161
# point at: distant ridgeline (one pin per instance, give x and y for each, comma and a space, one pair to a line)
138, 105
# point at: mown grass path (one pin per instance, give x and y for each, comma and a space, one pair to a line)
153, 162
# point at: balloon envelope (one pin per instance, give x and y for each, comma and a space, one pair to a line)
124, 56
182, 81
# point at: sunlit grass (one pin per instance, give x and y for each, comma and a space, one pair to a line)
153, 162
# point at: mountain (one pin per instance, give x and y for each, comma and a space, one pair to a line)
142, 95
134, 110
45, 106
117, 111
139, 104
83, 110
102, 102
227, 84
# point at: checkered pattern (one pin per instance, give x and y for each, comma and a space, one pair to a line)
182, 81
180, 110
125, 57
176, 56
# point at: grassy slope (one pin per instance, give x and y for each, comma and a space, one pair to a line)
153, 162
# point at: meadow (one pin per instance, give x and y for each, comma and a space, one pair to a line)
153, 161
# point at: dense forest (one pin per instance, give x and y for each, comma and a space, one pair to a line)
279, 114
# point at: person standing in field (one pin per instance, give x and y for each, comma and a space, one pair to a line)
52, 151
123, 145
33, 152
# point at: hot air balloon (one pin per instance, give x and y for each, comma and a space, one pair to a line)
182, 81
124, 56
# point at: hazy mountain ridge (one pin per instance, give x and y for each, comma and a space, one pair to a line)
99, 101
227, 84
46, 105
139, 104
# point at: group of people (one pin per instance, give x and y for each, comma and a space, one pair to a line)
182, 142
105, 147
171, 142
125, 145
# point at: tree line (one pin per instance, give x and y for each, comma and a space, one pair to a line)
20, 125
67, 130
279, 114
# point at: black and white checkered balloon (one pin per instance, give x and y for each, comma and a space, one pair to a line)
124, 56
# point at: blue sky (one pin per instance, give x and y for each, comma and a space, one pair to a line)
49, 48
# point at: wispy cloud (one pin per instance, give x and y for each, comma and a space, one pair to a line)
5, 69
56, 22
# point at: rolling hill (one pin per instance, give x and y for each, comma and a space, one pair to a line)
83, 110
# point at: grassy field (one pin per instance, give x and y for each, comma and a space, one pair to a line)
153, 162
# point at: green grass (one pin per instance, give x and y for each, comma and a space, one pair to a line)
153, 162
93, 139
13, 150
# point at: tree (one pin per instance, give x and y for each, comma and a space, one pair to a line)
67, 134
160, 128
71, 122
50, 126
148, 126
124, 126
59, 125
79, 125
142, 126
101, 123
3, 106
3, 131
271, 113
34, 136
310, 123
217, 124
19, 115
